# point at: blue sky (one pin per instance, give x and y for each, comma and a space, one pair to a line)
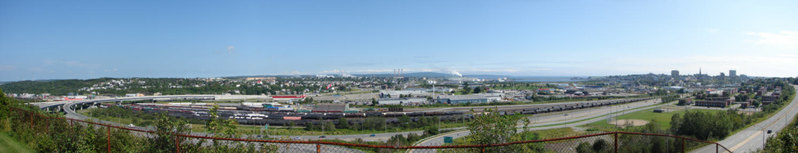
91, 39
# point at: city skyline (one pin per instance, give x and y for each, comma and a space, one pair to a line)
69, 40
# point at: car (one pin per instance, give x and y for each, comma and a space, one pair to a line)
372, 135
322, 137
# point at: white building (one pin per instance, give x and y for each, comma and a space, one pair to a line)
401, 101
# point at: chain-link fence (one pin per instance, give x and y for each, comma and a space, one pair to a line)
125, 139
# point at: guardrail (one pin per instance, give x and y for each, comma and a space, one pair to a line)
612, 141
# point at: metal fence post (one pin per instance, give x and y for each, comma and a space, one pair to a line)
109, 138
616, 142
683, 144
716, 147
177, 142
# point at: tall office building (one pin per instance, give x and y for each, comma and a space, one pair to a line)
732, 73
675, 73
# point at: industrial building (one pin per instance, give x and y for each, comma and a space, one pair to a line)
289, 98
461, 99
401, 101
330, 107
714, 102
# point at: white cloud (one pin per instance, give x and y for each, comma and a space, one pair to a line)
783, 39
231, 49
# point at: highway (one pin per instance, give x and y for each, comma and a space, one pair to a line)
554, 121
753, 138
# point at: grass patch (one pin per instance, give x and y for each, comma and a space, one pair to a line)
10, 145
661, 120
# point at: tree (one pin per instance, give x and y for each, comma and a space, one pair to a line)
405, 121
676, 121
308, 100
493, 128
526, 122
431, 130
165, 131
584, 147
600, 145
220, 128
329, 126
477, 89
466, 89
374, 101
343, 123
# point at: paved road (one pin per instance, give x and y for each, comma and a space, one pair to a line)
752, 139
605, 112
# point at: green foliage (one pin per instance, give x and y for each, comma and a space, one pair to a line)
670, 98
704, 125
785, 141
584, 147
601, 145
492, 128
477, 89
220, 127
343, 123
432, 130
55, 87
165, 135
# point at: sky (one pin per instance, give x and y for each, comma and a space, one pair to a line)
91, 39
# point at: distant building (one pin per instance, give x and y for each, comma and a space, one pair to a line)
675, 73
686, 101
330, 107
134, 95
732, 73
401, 101
545, 91
261, 78
746, 104
459, 99
291, 98
713, 91
714, 102
769, 99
